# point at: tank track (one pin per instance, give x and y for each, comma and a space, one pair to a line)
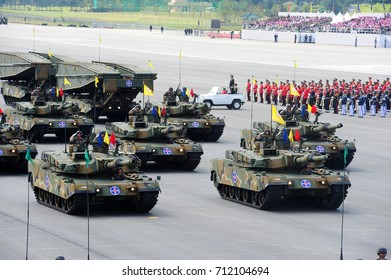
146, 202
264, 200
212, 136
334, 199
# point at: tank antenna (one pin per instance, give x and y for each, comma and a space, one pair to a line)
343, 193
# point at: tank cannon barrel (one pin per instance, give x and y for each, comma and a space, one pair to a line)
170, 129
310, 158
325, 128
119, 163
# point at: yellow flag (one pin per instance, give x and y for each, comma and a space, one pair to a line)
187, 92
57, 92
159, 112
147, 91
254, 81
50, 54
150, 65
96, 81
276, 116
276, 79
290, 137
100, 39
309, 108
293, 91
66, 82
295, 64
106, 139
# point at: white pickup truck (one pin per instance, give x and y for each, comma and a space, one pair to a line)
216, 98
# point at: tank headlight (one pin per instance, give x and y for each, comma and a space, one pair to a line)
290, 183
132, 189
74, 123
13, 151
50, 124
206, 123
119, 107
334, 147
323, 182
181, 150
184, 124
98, 190
153, 150
109, 107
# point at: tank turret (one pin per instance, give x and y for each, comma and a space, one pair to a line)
318, 138
64, 181
196, 118
158, 143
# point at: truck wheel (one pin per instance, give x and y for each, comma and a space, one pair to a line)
236, 104
208, 104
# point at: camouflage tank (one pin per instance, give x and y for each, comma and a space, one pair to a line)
196, 117
66, 182
263, 177
38, 118
314, 137
13, 148
164, 144
24, 73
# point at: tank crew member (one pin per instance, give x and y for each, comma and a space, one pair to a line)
136, 114
170, 95
77, 138
119, 175
382, 253
306, 170
266, 138
287, 113
99, 144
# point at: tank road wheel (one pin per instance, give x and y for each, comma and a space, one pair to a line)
46, 196
75, 204
254, 198
225, 190
246, 195
64, 204
51, 198
36, 193
238, 193
41, 194
146, 202
57, 201
231, 192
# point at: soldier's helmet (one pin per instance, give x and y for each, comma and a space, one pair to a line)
79, 132
60, 258
382, 251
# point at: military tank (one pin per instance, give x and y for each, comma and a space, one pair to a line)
200, 124
74, 180
262, 178
314, 137
38, 118
13, 148
166, 145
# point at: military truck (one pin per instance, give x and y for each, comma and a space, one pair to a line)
38, 118
200, 124
103, 88
13, 148
166, 145
21, 74
99, 88
80, 178
262, 178
314, 137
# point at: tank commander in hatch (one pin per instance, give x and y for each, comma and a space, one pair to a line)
266, 138
119, 175
136, 114
77, 138
170, 95
306, 170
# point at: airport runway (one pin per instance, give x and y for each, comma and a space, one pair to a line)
191, 221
